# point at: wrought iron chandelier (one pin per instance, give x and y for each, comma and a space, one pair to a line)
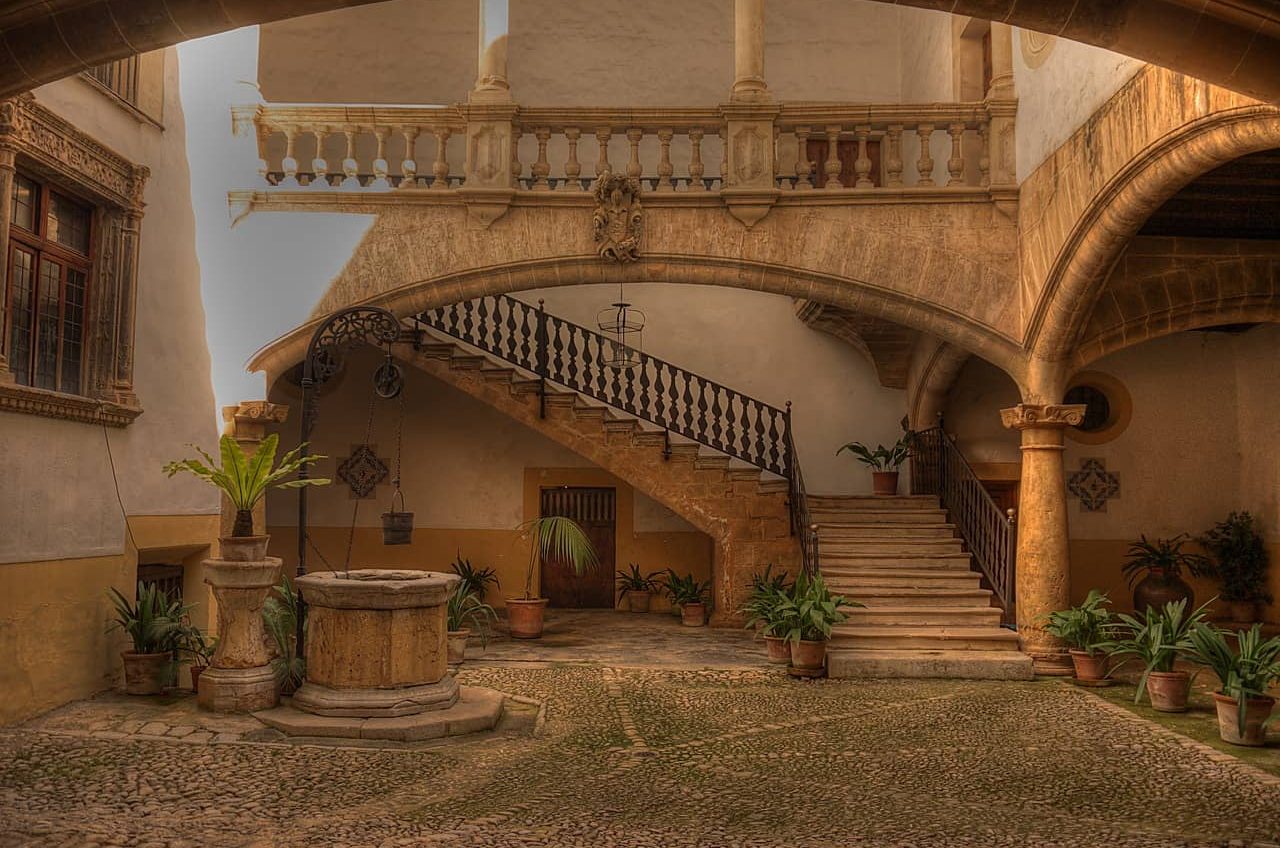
624, 326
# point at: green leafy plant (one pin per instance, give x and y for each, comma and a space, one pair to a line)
245, 481
1164, 557
280, 614
195, 645
1155, 640
465, 609
1246, 672
154, 623
686, 589
767, 592
809, 611
1082, 627
634, 581
1240, 558
882, 458
475, 581
555, 537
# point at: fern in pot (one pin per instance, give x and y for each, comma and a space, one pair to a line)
637, 589
466, 613
1240, 560
1084, 629
761, 612
884, 462
1155, 568
1244, 707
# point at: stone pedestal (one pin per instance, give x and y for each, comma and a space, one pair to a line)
376, 643
239, 678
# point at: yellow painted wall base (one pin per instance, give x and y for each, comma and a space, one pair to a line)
54, 644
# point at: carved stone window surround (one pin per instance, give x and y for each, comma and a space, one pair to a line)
37, 141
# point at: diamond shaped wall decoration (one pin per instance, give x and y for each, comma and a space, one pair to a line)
1094, 485
362, 471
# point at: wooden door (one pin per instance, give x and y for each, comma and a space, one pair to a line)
847, 150
594, 510
1003, 492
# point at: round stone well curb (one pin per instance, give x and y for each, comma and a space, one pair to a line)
477, 710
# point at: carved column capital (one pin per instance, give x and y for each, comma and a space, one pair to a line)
1056, 416
247, 420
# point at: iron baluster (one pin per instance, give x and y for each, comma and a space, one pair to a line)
540, 344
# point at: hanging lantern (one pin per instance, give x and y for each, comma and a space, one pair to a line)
624, 326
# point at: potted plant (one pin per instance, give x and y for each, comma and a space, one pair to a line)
474, 581
637, 588
280, 615
761, 612
1156, 640
1084, 628
1159, 563
883, 462
154, 625
552, 537
1244, 707
689, 595
464, 612
245, 481
194, 644
1240, 559
806, 614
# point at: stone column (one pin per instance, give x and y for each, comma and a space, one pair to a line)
491, 72
6, 212
748, 51
1043, 571
1001, 62
1001, 139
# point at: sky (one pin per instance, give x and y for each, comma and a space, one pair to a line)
262, 277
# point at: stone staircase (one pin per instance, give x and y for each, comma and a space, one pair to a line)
926, 613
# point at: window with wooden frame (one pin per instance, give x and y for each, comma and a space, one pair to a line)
50, 265
119, 77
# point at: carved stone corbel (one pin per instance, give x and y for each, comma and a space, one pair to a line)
750, 186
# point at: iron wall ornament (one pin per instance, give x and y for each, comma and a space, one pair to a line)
617, 218
1094, 485
362, 471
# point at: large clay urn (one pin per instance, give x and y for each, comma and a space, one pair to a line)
239, 678
1158, 588
376, 643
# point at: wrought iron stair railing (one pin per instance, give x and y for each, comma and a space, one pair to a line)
654, 390
938, 468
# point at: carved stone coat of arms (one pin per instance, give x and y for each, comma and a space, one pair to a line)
617, 217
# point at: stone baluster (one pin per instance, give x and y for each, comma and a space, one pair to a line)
380, 166
803, 165
862, 165
924, 165
695, 160
724, 157
409, 165
833, 163
542, 167
440, 167
634, 135
893, 159
516, 166
319, 164
603, 134
572, 167
664, 160
350, 170
290, 162
263, 132
955, 164
984, 161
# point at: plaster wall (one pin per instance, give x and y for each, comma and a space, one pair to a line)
1060, 85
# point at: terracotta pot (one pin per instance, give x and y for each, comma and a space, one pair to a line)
1256, 713
884, 482
810, 655
195, 677
457, 645
638, 601
525, 617
779, 650
1168, 690
1157, 589
144, 674
1241, 612
1090, 667
243, 548
693, 615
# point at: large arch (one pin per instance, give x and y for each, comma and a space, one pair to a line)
1234, 44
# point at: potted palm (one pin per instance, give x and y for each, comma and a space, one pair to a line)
1240, 560
472, 580
637, 588
1084, 628
883, 462
551, 537
806, 615
1160, 563
245, 481
154, 625
1156, 640
689, 595
1244, 707
464, 612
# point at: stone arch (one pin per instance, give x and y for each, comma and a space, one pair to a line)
1081, 268
934, 369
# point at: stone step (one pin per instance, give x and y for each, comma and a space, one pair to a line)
773, 485
649, 438
894, 615
628, 426
497, 375
915, 637
966, 665
466, 362
862, 530
879, 516
864, 578
904, 546
711, 462
835, 563
912, 596
858, 502
688, 451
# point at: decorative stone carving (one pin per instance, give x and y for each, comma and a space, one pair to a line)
362, 471
618, 217
748, 154
1049, 415
1094, 485
239, 678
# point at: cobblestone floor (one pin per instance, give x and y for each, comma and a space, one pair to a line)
658, 757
